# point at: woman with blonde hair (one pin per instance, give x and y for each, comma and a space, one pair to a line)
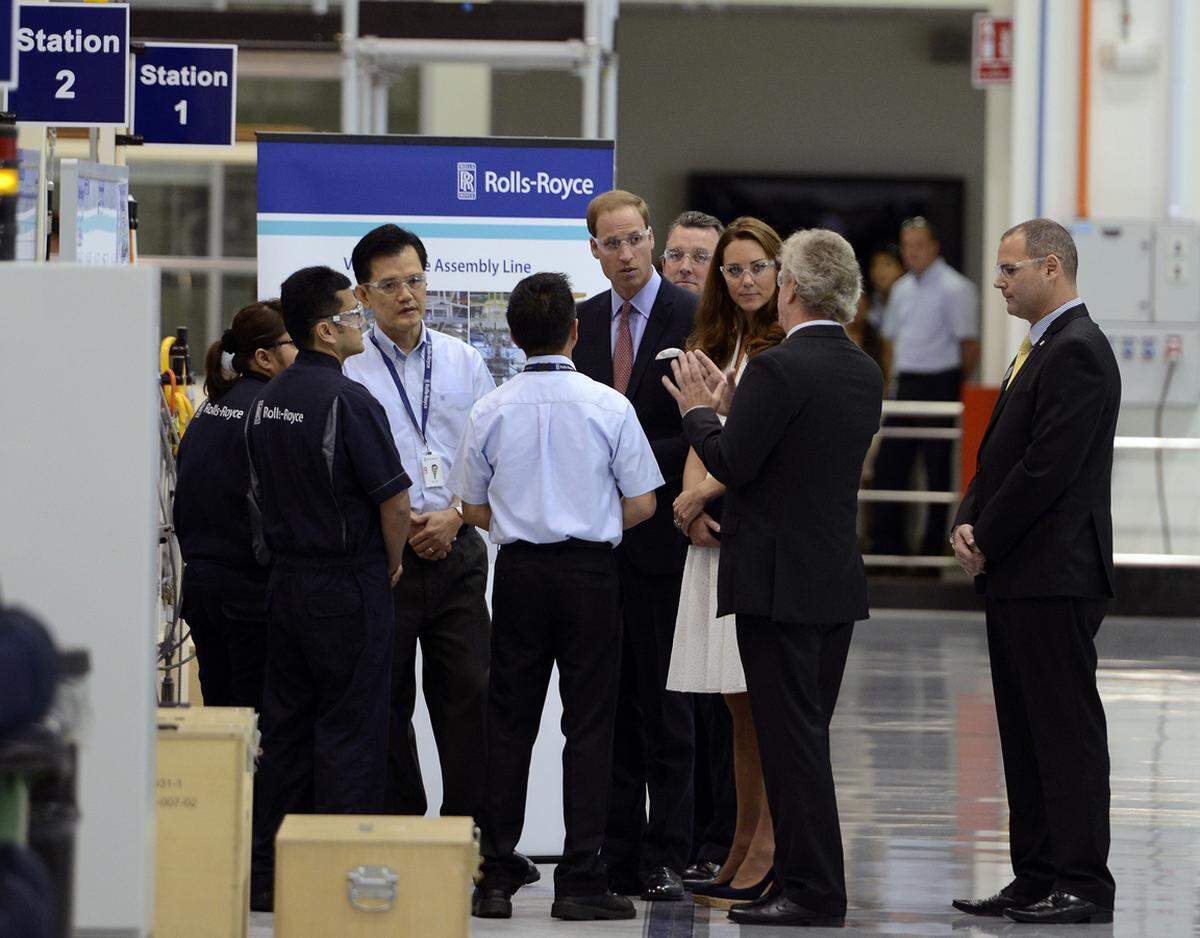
736, 319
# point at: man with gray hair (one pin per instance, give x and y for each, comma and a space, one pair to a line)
1035, 530
799, 424
691, 240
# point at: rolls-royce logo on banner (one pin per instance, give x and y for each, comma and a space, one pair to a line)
466, 182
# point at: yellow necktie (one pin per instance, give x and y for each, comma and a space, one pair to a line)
1022, 354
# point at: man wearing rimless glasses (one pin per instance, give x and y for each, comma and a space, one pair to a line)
620, 332
427, 382
691, 240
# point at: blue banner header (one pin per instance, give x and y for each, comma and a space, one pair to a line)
338, 175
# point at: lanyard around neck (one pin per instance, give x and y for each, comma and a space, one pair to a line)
426, 389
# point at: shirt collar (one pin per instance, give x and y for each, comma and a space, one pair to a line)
643, 300
1038, 329
552, 359
395, 350
932, 270
813, 322
313, 357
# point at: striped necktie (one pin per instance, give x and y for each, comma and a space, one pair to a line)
623, 353
1022, 354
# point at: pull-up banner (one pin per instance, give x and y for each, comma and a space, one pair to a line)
489, 210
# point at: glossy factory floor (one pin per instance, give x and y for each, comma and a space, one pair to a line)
920, 787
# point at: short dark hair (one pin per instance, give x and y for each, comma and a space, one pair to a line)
921, 222
1044, 237
541, 309
307, 296
694, 219
384, 241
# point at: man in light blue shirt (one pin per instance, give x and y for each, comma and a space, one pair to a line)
555, 466
931, 333
427, 382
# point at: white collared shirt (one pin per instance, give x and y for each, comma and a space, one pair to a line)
812, 322
552, 453
928, 316
1038, 329
459, 378
642, 302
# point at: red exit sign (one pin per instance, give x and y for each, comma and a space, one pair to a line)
991, 51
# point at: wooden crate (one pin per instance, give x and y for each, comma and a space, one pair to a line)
363, 876
204, 809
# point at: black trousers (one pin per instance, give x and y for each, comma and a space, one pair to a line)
716, 791
654, 747
552, 604
1055, 743
441, 604
793, 675
325, 704
226, 612
894, 465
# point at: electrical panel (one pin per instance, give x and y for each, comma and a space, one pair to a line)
1141, 282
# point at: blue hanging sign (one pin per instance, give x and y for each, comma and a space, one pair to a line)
74, 65
185, 94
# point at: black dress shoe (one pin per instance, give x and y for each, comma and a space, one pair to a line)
491, 903
1062, 908
605, 907
783, 911
624, 884
662, 885
532, 873
700, 873
768, 896
992, 906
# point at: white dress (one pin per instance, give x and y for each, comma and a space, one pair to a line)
704, 654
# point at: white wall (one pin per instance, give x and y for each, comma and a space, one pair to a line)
1127, 153
78, 471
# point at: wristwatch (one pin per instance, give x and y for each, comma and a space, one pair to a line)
458, 508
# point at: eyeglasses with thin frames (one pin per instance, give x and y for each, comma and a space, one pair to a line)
613, 245
1008, 271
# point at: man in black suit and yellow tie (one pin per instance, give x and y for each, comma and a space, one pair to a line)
620, 333
791, 456
1035, 530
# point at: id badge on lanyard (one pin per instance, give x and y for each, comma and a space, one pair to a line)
433, 473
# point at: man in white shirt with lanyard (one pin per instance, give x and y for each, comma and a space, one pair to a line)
427, 382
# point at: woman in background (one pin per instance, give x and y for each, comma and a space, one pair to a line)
737, 318
224, 592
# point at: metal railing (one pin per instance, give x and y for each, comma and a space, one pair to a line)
952, 409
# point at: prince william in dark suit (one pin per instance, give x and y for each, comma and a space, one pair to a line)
620, 332
791, 456
1035, 530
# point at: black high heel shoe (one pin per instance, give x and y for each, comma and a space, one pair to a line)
725, 896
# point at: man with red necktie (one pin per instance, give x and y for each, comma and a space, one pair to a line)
621, 331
